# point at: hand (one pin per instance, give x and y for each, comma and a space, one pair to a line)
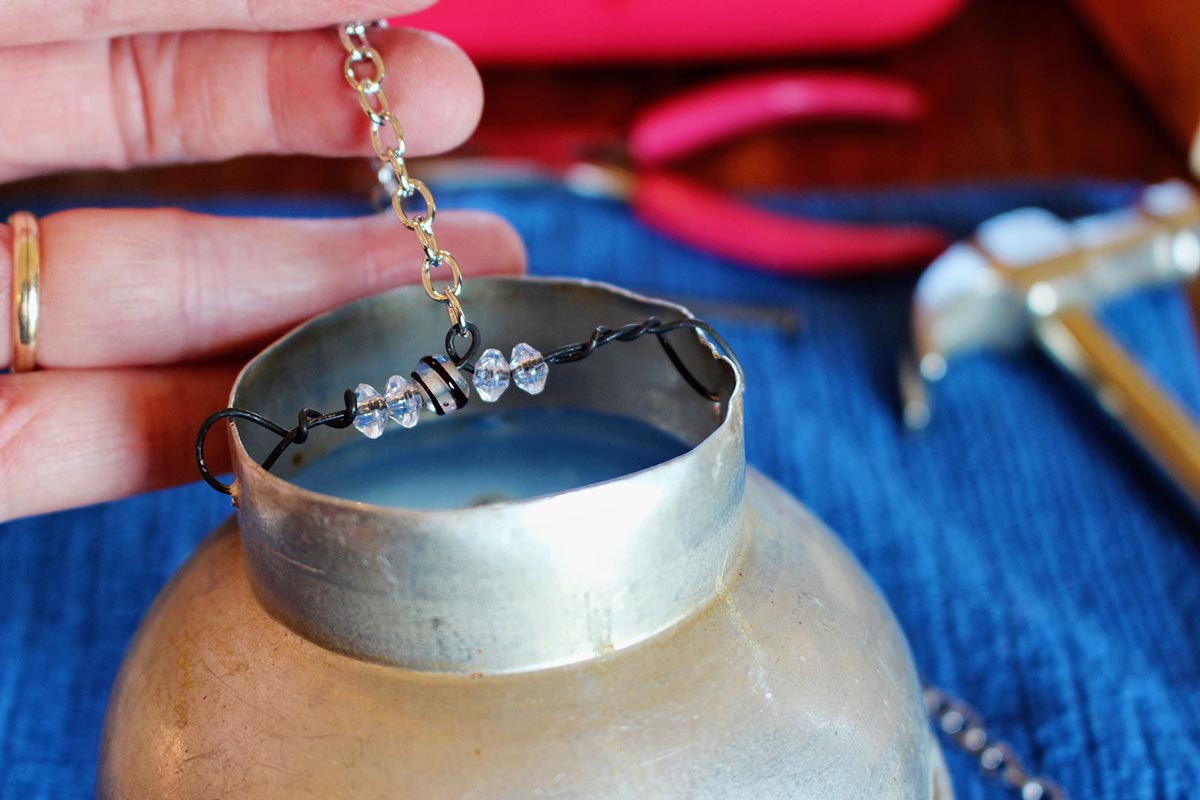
144, 312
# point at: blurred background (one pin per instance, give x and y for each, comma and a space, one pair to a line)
1037, 565
1011, 88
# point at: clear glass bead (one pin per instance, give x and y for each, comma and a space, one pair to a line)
404, 401
444, 387
529, 369
372, 415
491, 375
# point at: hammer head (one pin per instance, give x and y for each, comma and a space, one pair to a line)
985, 293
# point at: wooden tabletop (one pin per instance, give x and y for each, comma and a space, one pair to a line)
1015, 89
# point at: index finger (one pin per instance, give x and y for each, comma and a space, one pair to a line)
38, 21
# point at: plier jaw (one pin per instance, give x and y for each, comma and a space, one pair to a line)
717, 222
637, 170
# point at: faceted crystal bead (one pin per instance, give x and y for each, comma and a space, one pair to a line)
491, 375
529, 369
404, 401
372, 415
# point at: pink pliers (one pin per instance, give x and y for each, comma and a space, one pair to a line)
710, 220
719, 223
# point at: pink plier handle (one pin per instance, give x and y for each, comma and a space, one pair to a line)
721, 224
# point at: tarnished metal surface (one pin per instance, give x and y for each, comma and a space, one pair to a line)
714, 640
508, 586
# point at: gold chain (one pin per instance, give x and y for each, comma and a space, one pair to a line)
364, 71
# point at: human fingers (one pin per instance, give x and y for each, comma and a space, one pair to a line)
76, 437
131, 287
214, 95
41, 21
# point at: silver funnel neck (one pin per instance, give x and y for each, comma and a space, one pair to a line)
508, 586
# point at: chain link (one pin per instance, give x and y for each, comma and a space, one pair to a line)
412, 201
963, 725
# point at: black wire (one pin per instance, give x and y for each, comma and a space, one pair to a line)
652, 326
308, 418
463, 361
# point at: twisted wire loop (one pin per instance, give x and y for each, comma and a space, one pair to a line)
997, 759
464, 360
602, 336
308, 418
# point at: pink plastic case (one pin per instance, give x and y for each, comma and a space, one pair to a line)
564, 31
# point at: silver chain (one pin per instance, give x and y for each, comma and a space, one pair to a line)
963, 726
364, 71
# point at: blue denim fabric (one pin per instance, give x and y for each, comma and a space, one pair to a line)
1038, 567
